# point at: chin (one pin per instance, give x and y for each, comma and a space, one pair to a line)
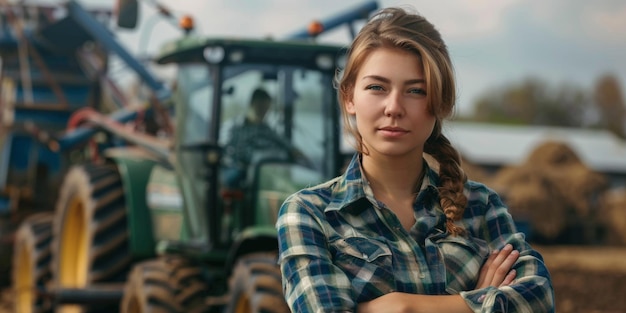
397, 152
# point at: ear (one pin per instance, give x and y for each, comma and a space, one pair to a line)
350, 107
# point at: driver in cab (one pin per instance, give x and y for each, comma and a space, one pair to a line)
249, 137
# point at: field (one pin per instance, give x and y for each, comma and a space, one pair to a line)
586, 279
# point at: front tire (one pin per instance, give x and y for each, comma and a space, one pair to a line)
256, 286
149, 289
168, 284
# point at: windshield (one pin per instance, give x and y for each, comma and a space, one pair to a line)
273, 110
289, 115
195, 87
269, 115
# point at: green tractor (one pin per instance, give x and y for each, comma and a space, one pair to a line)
216, 236
185, 222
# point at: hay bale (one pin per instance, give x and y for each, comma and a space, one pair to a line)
530, 197
552, 189
613, 203
576, 182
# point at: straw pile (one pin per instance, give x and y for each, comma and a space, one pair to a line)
553, 189
613, 203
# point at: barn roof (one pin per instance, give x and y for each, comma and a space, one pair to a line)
494, 144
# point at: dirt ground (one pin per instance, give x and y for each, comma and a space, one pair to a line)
586, 279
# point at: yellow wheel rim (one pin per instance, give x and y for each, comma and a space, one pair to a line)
243, 304
24, 280
133, 306
73, 256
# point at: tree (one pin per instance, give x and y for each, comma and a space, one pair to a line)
610, 104
533, 102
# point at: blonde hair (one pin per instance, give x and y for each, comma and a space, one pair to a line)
397, 28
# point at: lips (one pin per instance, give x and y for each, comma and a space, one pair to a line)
393, 131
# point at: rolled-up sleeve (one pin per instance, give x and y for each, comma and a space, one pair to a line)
311, 282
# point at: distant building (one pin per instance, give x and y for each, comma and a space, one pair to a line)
492, 146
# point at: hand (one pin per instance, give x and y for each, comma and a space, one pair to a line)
497, 271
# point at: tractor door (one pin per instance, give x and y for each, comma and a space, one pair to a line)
194, 167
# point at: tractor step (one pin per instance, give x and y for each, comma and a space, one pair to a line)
95, 294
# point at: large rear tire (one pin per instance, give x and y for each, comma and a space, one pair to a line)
150, 289
31, 264
90, 230
255, 285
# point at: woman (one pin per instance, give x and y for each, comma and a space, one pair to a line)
395, 233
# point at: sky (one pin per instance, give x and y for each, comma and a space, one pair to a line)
492, 42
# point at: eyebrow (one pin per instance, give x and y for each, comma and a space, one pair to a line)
386, 80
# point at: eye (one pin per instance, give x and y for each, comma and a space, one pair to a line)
374, 87
417, 91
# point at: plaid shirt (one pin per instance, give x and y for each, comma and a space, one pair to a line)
248, 138
339, 246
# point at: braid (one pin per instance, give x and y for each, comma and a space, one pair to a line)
452, 178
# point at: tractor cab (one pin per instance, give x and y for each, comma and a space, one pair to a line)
255, 121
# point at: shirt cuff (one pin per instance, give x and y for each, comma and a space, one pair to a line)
485, 300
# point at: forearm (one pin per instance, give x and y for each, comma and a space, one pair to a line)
528, 294
414, 303
531, 290
526, 287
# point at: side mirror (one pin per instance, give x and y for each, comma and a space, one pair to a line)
127, 13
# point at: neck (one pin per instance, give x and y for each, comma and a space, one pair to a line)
395, 178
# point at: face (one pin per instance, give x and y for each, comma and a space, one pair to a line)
390, 105
260, 109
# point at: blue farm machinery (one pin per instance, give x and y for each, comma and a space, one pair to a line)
53, 81
47, 79
109, 207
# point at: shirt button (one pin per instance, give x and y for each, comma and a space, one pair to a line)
421, 275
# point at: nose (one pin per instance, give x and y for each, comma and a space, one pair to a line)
393, 105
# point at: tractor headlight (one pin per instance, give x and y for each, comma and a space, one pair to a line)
214, 54
236, 56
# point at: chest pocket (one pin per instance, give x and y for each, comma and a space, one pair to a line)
463, 258
368, 263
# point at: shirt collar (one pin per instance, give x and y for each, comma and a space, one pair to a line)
352, 186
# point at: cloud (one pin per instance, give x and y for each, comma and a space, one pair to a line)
580, 20
491, 42
609, 25
461, 19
